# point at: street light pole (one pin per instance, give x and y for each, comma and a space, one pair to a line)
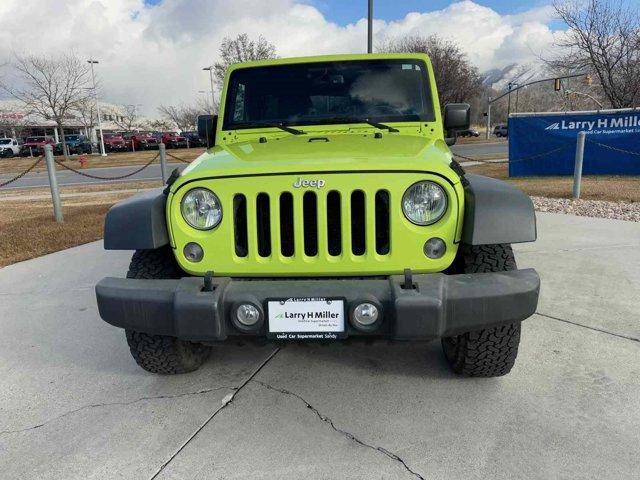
370, 28
488, 118
95, 94
491, 101
213, 98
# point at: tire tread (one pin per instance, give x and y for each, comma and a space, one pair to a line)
490, 352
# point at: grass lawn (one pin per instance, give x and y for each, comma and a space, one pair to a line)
28, 229
596, 187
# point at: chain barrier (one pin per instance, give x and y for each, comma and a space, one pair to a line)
19, 176
615, 149
178, 158
526, 159
97, 177
457, 155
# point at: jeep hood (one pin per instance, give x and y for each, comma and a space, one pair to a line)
327, 153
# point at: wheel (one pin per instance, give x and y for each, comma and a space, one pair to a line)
161, 353
166, 355
8, 153
490, 352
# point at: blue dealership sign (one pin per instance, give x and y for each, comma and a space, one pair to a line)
545, 144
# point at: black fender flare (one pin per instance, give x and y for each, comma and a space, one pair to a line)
496, 212
137, 223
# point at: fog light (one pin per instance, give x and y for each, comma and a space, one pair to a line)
247, 314
193, 252
435, 248
365, 314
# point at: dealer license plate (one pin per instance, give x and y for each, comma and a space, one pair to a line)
306, 319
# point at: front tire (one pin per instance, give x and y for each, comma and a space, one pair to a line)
162, 354
166, 355
490, 352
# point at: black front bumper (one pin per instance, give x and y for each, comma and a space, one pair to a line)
438, 305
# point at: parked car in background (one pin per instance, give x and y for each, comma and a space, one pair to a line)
193, 139
501, 130
9, 147
469, 132
35, 145
144, 141
115, 142
173, 140
76, 144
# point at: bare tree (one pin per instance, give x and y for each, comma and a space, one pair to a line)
50, 87
160, 125
241, 49
125, 117
456, 78
86, 112
603, 39
204, 106
183, 117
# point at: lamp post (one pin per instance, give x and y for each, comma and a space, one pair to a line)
490, 100
213, 98
370, 28
95, 94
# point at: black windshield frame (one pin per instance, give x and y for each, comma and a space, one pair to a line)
243, 76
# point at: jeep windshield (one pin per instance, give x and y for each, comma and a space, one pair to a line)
5, 141
321, 93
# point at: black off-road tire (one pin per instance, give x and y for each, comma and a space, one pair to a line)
158, 263
161, 353
166, 355
490, 352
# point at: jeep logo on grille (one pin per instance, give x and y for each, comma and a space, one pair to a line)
301, 183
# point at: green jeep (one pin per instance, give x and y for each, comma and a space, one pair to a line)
327, 206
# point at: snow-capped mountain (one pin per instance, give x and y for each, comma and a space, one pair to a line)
499, 78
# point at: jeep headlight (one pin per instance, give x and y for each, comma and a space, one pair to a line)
424, 203
201, 209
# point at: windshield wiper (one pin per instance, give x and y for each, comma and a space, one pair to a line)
379, 126
279, 125
282, 126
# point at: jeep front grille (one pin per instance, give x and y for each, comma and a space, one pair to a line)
316, 223
352, 225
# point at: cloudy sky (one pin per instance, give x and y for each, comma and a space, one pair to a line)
153, 51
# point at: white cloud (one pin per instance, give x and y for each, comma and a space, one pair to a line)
153, 55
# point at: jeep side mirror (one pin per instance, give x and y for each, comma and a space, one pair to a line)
207, 128
457, 116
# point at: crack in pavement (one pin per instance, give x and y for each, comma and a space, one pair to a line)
348, 435
595, 329
109, 404
226, 401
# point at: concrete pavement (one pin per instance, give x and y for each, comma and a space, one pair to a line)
152, 172
73, 404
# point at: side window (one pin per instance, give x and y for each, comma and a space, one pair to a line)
239, 113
